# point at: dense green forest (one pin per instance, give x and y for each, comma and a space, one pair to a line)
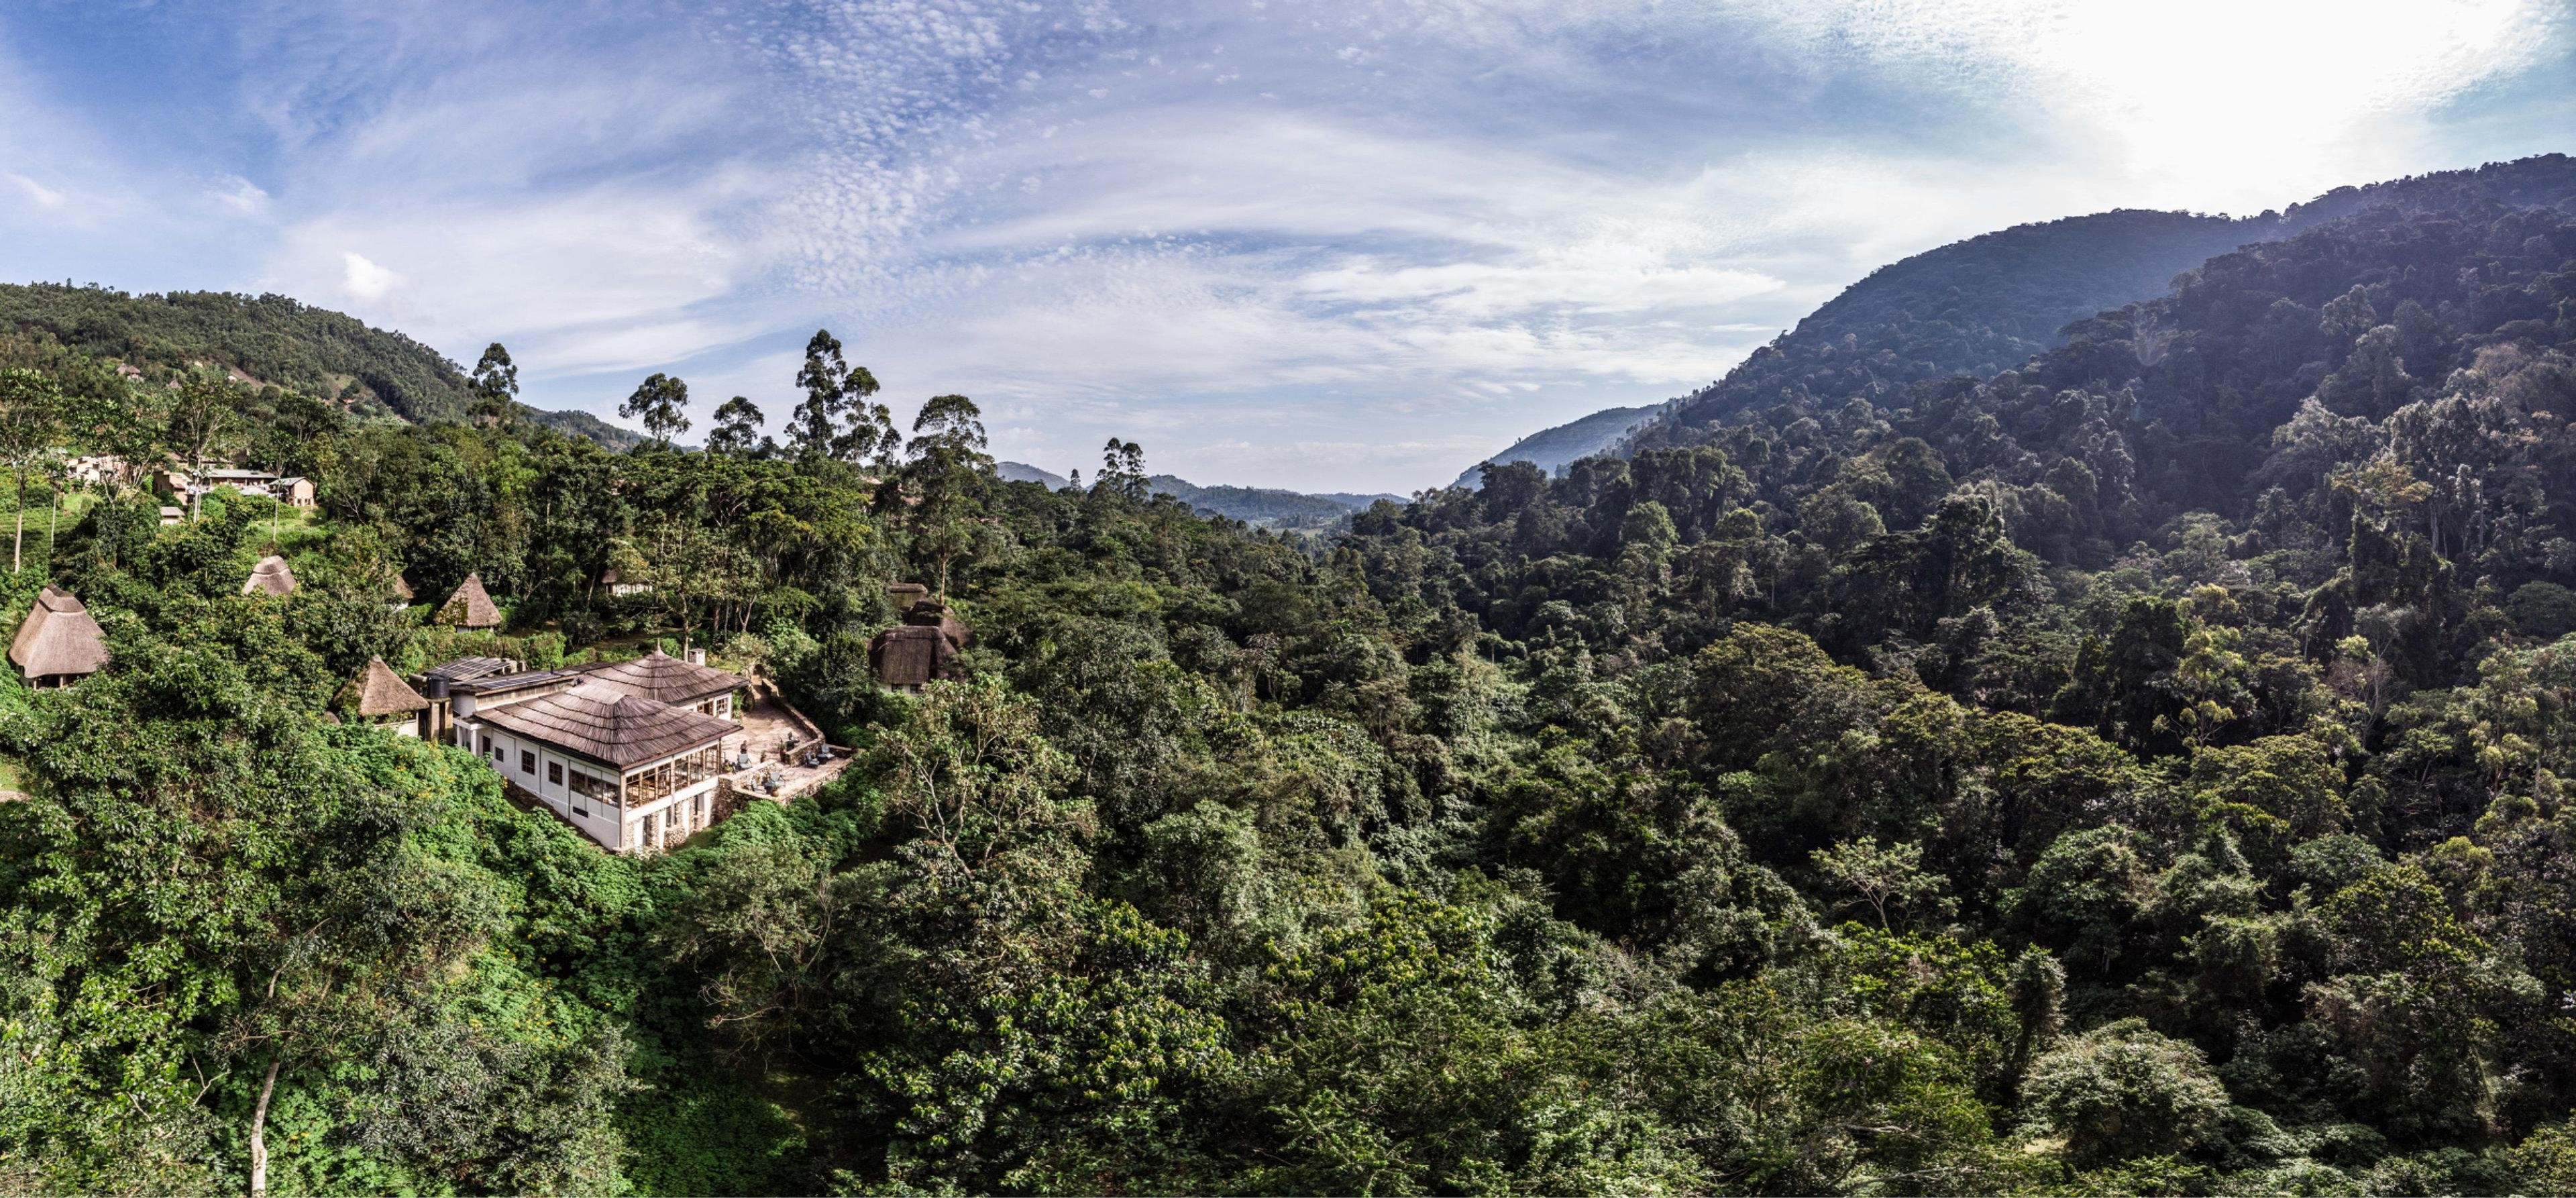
2140, 770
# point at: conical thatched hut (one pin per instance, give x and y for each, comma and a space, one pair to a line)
59, 644
380, 696
470, 607
270, 577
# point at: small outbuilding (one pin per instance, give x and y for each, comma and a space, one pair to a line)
470, 607
380, 697
910, 655
293, 491
931, 613
904, 594
270, 577
59, 644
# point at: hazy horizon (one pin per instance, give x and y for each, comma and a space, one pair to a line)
1348, 247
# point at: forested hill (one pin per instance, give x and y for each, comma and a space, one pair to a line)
2143, 768
1260, 507
1987, 303
269, 339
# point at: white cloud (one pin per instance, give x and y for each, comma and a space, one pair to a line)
240, 195
1345, 243
2207, 103
41, 195
364, 279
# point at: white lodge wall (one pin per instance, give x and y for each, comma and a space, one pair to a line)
560, 780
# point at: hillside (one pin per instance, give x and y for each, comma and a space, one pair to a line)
1551, 449
271, 339
2141, 769
1988, 303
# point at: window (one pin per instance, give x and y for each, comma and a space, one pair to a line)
592, 787
554, 773
527, 762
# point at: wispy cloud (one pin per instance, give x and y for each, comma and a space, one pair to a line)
1347, 243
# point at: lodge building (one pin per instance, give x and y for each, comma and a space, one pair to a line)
628, 752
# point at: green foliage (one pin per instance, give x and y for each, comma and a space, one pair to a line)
2187, 678
2122, 1092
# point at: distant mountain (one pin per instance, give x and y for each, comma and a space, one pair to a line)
1989, 303
1264, 507
1551, 449
268, 339
1261, 507
1022, 472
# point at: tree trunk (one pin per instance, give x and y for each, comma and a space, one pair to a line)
18, 537
259, 1131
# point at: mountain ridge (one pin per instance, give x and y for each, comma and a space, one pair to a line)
273, 339
1987, 303
1264, 507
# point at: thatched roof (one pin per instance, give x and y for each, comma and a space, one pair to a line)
910, 655
470, 607
931, 613
620, 730
665, 679
270, 577
378, 691
59, 638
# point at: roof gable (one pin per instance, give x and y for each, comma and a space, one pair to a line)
378, 691
601, 724
664, 678
470, 607
270, 577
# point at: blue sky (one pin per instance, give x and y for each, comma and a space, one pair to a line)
1326, 245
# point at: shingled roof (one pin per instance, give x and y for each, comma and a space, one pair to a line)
665, 679
59, 638
620, 730
270, 577
378, 691
470, 607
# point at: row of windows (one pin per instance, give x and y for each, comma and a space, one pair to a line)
583, 785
